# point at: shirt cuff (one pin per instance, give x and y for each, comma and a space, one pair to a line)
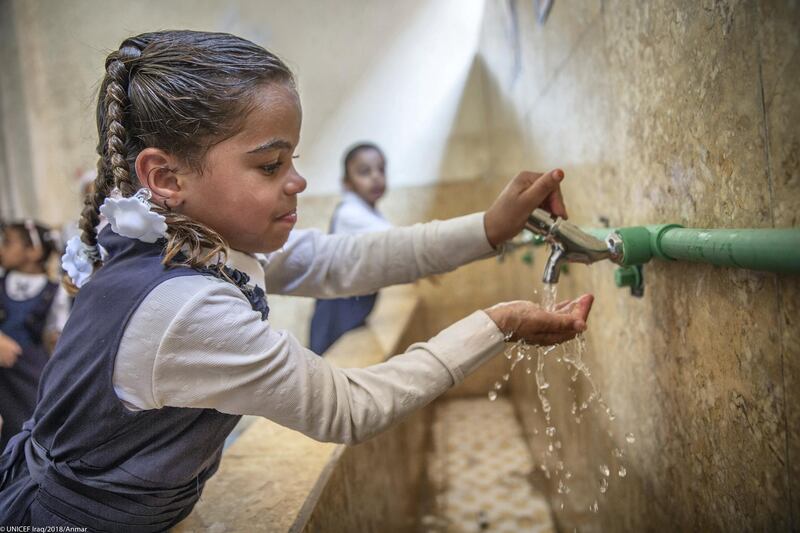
467, 344
465, 239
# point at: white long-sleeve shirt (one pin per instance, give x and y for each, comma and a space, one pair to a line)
195, 341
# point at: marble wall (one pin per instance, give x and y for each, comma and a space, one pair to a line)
666, 111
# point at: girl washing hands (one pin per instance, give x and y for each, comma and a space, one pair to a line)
169, 340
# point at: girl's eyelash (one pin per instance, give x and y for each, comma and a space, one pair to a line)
271, 168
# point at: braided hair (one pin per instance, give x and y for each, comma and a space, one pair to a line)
182, 91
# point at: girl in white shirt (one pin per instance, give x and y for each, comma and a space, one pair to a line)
364, 180
167, 345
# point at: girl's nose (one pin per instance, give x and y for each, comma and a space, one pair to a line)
295, 184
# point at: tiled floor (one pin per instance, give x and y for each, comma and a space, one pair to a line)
479, 470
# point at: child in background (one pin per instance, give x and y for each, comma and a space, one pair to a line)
169, 341
364, 179
32, 313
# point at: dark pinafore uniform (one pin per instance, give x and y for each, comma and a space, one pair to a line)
23, 321
84, 459
334, 317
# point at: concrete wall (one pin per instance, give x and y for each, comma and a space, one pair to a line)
680, 112
378, 485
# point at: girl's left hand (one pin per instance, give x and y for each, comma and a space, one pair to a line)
529, 190
9, 351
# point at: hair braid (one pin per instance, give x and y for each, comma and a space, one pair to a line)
90, 215
116, 103
112, 166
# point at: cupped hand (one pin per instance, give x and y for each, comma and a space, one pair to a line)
524, 320
528, 190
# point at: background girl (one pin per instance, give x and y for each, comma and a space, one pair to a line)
167, 345
32, 312
364, 180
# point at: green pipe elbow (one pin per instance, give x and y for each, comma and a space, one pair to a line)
639, 243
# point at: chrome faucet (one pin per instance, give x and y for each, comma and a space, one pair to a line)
570, 243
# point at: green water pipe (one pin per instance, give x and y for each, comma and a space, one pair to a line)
772, 250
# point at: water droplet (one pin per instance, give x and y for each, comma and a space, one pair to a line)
622, 472
498, 385
558, 444
560, 465
551, 431
604, 469
562, 506
610, 413
492, 395
544, 386
618, 453
535, 410
630, 438
528, 370
567, 474
603, 485
594, 507
577, 420
505, 377
550, 448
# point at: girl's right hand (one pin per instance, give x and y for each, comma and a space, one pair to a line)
9, 351
527, 321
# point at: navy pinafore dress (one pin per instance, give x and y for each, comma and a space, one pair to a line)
333, 317
84, 459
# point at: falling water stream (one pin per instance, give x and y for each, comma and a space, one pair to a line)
571, 355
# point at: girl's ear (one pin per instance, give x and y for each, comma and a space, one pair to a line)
157, 170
